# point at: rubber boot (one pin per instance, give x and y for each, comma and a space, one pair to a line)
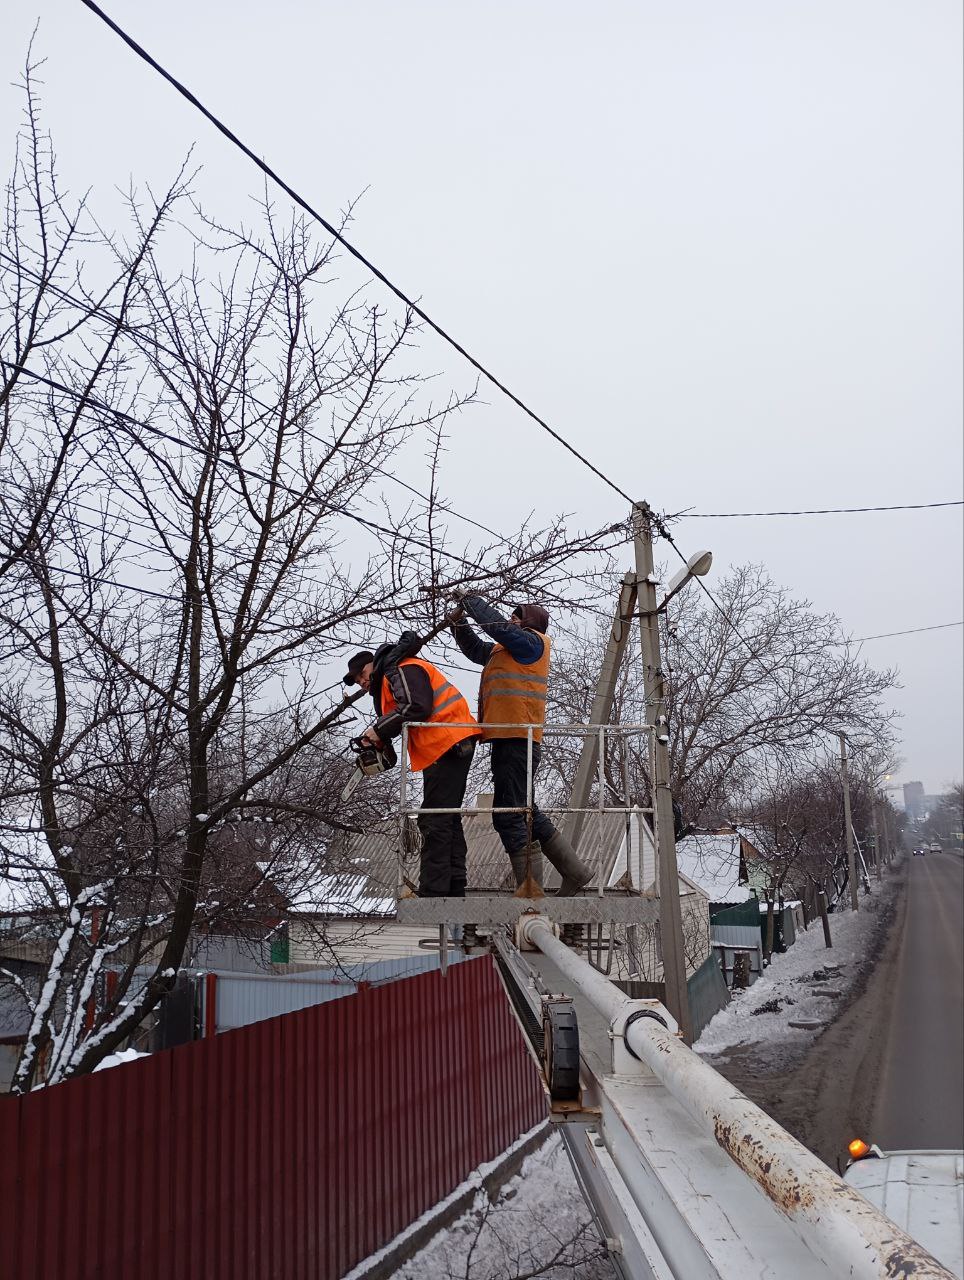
527, 869
575, 874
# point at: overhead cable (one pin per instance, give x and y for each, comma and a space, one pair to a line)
913, 631
817, 511
349, 247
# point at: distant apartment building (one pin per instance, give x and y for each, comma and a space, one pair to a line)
914, 800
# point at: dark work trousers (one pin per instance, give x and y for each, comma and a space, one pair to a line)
442, 872
509, 786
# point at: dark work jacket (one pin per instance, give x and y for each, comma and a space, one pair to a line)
410, 686
521, 644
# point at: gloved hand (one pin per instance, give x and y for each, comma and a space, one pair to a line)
455, 613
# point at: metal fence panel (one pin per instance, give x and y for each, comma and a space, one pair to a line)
726, 939
708, 993
285, 1150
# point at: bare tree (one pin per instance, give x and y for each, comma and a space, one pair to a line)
763, 680
200, 514
60, 340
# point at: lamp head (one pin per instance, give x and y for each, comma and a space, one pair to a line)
697, 566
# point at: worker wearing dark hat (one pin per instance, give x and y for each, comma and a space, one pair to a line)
406, 688
512, 696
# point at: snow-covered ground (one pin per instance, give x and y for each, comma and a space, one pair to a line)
538, 1225
796, 985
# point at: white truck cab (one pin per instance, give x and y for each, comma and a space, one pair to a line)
922, 1192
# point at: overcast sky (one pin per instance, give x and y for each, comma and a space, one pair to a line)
718, 246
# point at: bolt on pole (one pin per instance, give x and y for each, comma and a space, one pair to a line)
848, 823
670, 914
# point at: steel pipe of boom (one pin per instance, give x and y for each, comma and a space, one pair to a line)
840, 1227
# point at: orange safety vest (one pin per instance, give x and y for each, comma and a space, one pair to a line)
514, 693
449, 708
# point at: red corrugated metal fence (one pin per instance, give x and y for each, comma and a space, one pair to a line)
291, 1148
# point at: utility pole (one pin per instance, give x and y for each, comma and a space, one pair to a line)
670, 914
602, 706
878, 853
848, 823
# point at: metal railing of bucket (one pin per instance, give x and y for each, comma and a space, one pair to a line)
599, 734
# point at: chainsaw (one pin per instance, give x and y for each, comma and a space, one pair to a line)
369, 760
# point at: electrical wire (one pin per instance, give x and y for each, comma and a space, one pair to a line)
434, 325
349, 247
817, 511
913, 631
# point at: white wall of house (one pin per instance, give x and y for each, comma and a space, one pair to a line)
357, 942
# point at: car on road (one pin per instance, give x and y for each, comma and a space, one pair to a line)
935, 847
919, 851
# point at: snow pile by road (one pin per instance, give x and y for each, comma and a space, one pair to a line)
804, 984
538, 1224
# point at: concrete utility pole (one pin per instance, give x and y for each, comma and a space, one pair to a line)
848, 823
670, 914
602, 706
877, 850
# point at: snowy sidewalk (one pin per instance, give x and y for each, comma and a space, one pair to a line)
808, 983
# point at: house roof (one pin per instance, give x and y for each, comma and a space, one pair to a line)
325, 891
712, 862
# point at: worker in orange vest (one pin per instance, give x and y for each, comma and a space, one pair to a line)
406, 688
512, 695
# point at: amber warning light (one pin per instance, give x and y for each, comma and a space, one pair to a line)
858, 1149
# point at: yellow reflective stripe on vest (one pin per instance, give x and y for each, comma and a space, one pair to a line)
531, 694
450, 713
514, 675
514, 694
440, 706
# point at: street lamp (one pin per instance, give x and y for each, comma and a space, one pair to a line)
697, 566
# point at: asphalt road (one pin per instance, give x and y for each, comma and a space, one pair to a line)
920, 1086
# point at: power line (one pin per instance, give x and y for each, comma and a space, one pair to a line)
817, 511
886, 635
349, 247
770, 671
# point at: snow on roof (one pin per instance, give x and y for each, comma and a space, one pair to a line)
712, 862
340, 895
310, 891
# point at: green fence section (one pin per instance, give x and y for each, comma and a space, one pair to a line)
742, 913
708, 993
784, 928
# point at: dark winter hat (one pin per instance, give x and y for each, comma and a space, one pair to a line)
532, 616
357, 664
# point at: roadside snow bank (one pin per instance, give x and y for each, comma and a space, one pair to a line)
805, 984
